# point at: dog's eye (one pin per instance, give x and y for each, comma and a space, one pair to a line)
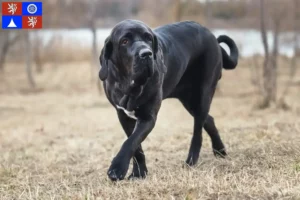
124, 41
148, 37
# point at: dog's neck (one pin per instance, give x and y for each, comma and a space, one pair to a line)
128, 102
136, 94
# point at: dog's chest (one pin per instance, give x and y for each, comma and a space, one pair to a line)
116, 97
130, 114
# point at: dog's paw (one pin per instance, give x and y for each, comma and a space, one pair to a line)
220, 153
138, 173
192, 160
118, 169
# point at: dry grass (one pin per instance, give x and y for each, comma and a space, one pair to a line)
57, 143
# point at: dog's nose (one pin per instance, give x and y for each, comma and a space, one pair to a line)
145, 53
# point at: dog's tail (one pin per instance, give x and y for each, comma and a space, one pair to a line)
229, 61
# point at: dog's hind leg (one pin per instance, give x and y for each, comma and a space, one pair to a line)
139, 161
196, 95
217, 144
198, 106
212, 131
209, 126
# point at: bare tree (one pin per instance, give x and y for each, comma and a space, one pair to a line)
266, 65
37, 51
92, 18
7, 39
270, 61
94, 51
4, 45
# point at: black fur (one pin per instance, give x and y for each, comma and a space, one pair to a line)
185, 62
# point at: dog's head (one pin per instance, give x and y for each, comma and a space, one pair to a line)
130, 52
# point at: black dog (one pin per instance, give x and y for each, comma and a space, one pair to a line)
141, 67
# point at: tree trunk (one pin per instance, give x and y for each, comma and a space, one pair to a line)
37, 53
6, 44
28, 53
266, 67
94, 59
273, 66
4, 49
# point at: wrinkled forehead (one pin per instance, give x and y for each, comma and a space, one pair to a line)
129, 26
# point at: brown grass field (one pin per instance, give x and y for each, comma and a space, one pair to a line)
57, 142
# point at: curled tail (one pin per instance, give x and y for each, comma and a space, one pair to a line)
229, 61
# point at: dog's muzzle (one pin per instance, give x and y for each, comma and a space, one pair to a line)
144, 66
145, 54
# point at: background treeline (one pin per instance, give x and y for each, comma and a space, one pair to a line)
219, 14
270, 17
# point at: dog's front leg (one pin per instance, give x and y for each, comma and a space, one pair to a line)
120, 164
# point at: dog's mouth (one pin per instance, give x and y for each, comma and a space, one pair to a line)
131, 84
142, 71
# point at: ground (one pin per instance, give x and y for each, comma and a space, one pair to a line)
57, 142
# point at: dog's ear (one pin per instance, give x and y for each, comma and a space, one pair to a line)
104, 57
160, 61
155, 46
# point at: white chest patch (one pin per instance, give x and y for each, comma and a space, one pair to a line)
130, 114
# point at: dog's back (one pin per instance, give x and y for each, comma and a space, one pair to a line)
186, 38
184, 44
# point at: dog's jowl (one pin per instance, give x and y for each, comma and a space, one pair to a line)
140, 67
